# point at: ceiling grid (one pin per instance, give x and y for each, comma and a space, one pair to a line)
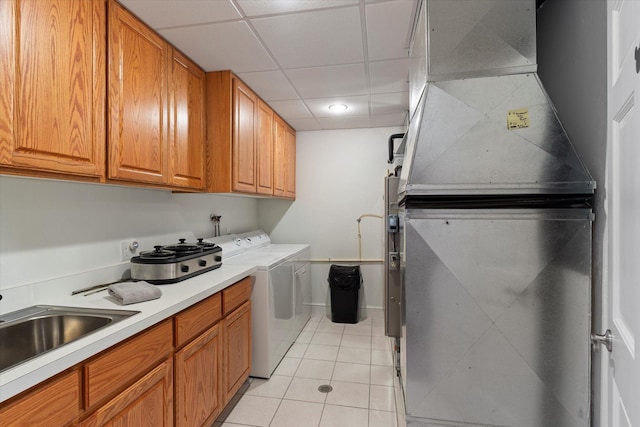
300, 56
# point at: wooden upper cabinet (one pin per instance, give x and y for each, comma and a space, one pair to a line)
187, 123
291, 163
264, 147
284, 163
279, 157
222, 148
245, 105
52, 107
138, 100
243, 150
7, 80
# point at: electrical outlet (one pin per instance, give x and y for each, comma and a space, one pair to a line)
394, 261
128, 249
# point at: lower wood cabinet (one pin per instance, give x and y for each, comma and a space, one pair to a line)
148, 402
237, 349
197, 380
55, 403
184, 370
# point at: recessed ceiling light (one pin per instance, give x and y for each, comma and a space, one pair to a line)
338, 107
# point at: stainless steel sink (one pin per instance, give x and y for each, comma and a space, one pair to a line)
30, 332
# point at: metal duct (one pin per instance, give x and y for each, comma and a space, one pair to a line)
484, 123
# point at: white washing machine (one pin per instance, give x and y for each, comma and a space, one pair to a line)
281, 297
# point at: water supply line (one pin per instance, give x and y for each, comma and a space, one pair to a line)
358, 260
360, 235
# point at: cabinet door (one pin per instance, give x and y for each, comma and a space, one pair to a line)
7, 79
279, 157
147, 402
198, 385
244, 138
264, 146
52, 83
291, 163
138, 104
186, 147
237, 349
55, 403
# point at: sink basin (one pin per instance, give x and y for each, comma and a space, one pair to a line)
30, 332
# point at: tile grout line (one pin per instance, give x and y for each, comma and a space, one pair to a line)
339, 347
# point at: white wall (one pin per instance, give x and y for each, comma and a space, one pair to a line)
340, 176
53, 228
572, 58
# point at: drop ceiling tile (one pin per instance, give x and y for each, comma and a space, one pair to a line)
292, 109
358, 106
304, 124
162, 13
335, 80
325, 37
388, 29
269, 7
389, 76
389, 102
386, 120
270, 85
313, 51
353, 122
210, 47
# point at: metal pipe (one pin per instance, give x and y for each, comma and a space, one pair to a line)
360, 235
391, 138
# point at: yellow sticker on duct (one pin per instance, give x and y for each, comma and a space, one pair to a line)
518, 119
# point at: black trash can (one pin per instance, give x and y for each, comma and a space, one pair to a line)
344, 282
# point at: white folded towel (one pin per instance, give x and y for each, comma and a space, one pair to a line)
133, 292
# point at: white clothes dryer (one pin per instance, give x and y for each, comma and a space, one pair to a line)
281, 296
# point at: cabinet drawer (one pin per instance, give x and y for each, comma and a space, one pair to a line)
121, 365
236, 294
192, 321
147, 402
55, 403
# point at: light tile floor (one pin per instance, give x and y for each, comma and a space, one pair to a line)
356, 360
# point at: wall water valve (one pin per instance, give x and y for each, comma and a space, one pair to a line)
216, 224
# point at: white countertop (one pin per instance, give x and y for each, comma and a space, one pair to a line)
175, 298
